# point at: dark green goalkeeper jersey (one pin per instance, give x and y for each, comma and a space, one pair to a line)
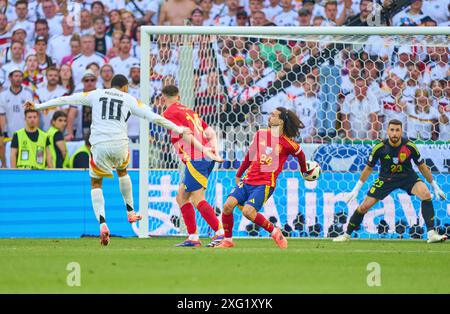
395, 161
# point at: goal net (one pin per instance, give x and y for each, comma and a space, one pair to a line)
344, 83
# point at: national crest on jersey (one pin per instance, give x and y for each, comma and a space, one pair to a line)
403, 154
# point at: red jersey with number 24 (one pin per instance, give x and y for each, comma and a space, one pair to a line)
266, 156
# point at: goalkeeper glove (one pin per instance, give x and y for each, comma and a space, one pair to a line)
438, 193
354, 193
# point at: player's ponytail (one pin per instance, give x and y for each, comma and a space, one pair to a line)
291, 123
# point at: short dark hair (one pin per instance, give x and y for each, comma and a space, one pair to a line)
27, 111
21, 2
41, 21
52, 68
119, 80
395, 122
58, 114
170, 91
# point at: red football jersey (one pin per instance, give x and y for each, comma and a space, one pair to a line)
183, 116
267, 155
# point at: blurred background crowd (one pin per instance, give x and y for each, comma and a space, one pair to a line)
340, 89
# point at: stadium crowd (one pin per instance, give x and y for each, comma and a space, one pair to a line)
51, 48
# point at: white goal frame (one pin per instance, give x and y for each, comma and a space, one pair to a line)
147, 31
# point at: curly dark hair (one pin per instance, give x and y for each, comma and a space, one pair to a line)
291, 123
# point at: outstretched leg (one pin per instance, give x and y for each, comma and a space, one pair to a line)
421, 191
126, 189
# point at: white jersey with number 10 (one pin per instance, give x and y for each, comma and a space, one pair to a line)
111, 109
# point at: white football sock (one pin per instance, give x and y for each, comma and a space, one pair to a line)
98, 203
127, 190
194, 237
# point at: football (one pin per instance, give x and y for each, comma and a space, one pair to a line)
315, 174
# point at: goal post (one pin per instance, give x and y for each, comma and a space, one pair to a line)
350, 152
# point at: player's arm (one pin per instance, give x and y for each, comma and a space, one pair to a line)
373, 158
71, 116
3, 122
425, 171
62, 148
79, 99
139, 109
249, 157
211, 135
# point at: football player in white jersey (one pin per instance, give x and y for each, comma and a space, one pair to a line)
111, 109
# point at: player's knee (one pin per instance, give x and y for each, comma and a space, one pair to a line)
122, 173
363, 208
180, 200
227, 208
249, 213
425, 195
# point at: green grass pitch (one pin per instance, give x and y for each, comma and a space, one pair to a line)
155, 266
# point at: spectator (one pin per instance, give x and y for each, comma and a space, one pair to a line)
242, 18
60, 46
258, 18
413, 79
114, 5
437, 10
304, 17
97, 10
53, 19
437, 93
32, 77
41, 28
444, 120
411, 16
196, 18
208, 18
134, 89
288, 16
365, 8
87, 56
106, 74
274, 53
219, 8
306, 108
16, 60
75, 50
85, 27
318, 21
66, 79
404, 56
145, 11
115, 23
102, 42
422, 118
129, 22
176, 12
263, 76
5, 34
30, 145
229, 18
44, 60
254, 5
395, 104
360, 113
115, 49
438, 69
164, 66
47, 91
273, 9
136, 44
58, 147
22, 21
80, 159
84, 119
372, 73
124, 60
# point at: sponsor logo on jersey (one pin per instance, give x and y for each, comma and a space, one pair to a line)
252, 201
388, 157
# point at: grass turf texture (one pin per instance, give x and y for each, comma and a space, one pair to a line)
156, 266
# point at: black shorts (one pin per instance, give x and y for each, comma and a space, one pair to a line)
383, 187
